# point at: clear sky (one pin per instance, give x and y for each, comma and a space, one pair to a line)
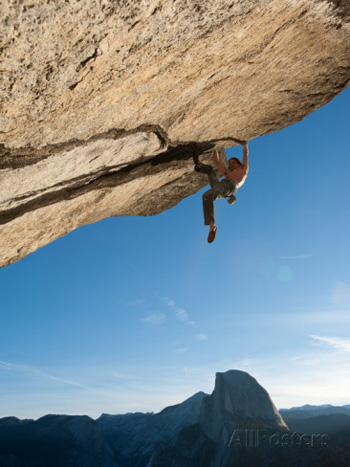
139, 313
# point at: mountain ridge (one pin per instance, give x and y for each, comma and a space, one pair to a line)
207, 430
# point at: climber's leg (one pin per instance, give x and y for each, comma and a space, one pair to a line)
218, 190
208, 209
221, 189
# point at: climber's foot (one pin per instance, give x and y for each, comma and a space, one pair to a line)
212, 233
198, 167
232, 199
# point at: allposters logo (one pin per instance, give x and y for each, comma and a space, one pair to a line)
260, 438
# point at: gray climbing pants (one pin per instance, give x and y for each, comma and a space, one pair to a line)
219, 189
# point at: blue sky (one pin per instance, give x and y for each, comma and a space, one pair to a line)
139, 313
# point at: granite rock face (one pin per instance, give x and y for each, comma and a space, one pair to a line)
104, 103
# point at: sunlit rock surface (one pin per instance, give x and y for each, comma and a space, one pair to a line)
104, 103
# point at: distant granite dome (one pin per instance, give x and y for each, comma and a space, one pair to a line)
104, 103
237, 402
238, 392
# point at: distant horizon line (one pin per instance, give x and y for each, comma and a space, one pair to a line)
301, 407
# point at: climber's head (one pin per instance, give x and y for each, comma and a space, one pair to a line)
234, 163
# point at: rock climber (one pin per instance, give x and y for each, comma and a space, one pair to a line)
235, 175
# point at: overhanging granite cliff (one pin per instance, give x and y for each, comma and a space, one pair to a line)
104, 103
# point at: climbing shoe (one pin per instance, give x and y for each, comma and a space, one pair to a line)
211, 236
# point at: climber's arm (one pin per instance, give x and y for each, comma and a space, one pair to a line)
219, 165
245, 156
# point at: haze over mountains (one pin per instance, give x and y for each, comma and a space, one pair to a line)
237, 424
308, 410
335, 421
